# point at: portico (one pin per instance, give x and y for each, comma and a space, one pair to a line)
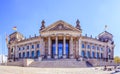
60, 46
61, 40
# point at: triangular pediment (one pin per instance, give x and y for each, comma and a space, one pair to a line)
105, 33
60, 25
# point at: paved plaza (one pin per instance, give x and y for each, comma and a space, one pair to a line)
31, 70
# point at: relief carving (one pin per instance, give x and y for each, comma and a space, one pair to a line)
60, 27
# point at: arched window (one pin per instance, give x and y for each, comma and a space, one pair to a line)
83, 53
38, 53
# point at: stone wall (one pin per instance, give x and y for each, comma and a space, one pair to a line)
22, 63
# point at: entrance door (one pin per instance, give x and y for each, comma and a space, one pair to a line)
67, 48
53, 48
60, 48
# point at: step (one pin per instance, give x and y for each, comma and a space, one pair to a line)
59, 63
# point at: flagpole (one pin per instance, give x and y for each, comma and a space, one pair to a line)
5, 48
1, 49
106, 27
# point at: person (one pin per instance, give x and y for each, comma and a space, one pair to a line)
105, 68
115, 66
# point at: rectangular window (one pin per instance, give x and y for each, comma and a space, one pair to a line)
88, 47
109, 57
32, 46
109, 50
23, 48
93, 47
97, 55
19, 48
38, 45
23, 54
97, 48
19, 55
32, 54
101, 49
12, 50
101, 55
83, 46
27, 54
27, 47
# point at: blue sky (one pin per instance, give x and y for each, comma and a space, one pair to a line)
28, 14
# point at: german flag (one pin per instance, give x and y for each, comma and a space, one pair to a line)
6, 38
14, 28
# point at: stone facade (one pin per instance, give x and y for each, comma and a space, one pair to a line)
61, 40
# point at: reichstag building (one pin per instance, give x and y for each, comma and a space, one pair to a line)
61, 40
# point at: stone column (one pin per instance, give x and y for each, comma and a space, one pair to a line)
49, 48
71, 47
30, 55
86, 48
112, 52
13, 53
56, 49
91, 50
96, 51
34, 50
64, 47
106, 53
42, 50
16, 55
43, 47
100, 52
80, 48
25, 47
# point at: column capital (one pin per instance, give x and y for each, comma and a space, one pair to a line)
64, 35
71, 38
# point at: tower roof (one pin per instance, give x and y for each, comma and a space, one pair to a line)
43, 25
78, 24
105, 33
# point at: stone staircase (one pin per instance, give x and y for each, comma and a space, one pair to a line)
59, 63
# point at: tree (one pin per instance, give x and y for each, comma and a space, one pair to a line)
117, 59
